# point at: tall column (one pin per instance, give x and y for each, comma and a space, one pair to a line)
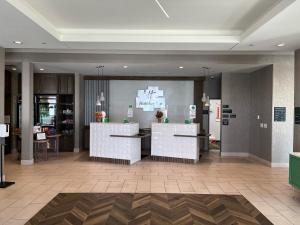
77, 113
14, 99
27, 114
2, 84
2, 95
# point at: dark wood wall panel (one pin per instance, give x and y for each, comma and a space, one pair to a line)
198, 92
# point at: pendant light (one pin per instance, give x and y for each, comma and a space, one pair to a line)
101, 96
207, 103
203, 97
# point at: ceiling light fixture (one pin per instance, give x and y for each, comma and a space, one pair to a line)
125, 67
14, 68
281, 45
42, 69
162, 9
180, 67
100, 98
18, 42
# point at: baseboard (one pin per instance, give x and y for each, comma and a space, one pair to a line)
235, 154
260, 160
279, 164
27, 162
76, 150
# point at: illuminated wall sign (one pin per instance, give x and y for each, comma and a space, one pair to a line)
150, 99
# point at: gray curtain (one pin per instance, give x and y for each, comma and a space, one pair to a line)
92, 88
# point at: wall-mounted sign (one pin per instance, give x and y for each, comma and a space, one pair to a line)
297, 115
227, 110
279, 114
150, 99
192, 112
225, 106
225, 122
130, 111
225, 115
232, 115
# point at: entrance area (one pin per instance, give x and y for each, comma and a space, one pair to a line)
215, 124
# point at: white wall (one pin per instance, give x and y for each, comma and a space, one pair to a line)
179, 95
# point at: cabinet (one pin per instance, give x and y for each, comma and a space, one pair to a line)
53, 84
45, 84
66, 84
65, 124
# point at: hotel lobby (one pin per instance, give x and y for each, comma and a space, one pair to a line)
149, 112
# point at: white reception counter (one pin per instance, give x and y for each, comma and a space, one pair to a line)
115, 141
175, 140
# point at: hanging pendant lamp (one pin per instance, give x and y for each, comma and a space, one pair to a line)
100, 98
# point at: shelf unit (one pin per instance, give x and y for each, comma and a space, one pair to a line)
65, 122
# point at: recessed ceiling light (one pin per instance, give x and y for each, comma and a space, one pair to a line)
18, 42
14, 68
281, 45
42, 69
180, 67
125, 67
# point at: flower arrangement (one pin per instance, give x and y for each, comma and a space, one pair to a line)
98, 116
159, 114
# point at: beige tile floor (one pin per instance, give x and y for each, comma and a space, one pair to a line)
266, 188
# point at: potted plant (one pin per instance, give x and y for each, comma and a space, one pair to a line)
159, 114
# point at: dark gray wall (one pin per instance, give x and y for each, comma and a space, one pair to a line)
297, 100
212, 87
236, 93
261, 104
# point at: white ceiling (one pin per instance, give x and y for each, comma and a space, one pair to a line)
127, 25
146, 15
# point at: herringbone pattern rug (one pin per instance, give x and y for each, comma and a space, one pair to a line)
146, 209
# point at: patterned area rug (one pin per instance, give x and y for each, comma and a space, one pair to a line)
146, 209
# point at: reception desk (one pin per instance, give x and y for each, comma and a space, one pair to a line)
175, 141
116, 142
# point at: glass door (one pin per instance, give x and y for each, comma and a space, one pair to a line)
46, 107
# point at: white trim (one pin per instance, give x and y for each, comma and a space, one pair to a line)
279, 164
27, 162
76, 150
258, 159
235, 154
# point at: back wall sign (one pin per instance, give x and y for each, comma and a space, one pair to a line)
150, 99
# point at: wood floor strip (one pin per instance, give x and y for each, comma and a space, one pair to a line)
146, 208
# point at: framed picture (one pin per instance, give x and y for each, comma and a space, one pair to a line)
40, 136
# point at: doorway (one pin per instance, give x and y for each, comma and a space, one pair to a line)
215, 124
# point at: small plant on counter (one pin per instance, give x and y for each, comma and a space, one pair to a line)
159, 114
